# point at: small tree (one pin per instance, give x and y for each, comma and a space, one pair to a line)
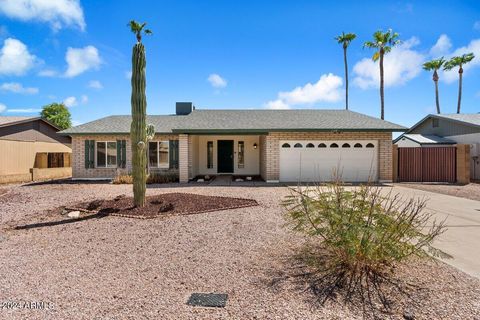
140, 132
58, 114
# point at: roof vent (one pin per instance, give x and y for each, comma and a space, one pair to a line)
183, 108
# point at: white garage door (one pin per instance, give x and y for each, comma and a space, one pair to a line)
310, 160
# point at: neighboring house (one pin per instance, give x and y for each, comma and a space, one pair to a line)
446, 129
278, 145
31, 149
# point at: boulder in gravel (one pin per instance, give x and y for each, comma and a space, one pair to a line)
200, 180
408, 315
73, 214
238, 180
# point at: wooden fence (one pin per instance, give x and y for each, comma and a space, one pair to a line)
431, 164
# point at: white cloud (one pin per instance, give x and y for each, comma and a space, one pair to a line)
2, 107
80, 60
16, 87
128, 75
27, 110
70, 102
452, 75
95, 84
400, 65
48, 73
15, 58
217, 81
441, 47
327, 88
277, 104
58, 13
84, 99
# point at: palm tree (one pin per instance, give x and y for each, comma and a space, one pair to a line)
383, 42
137, 28
435, 65
459, 62
344, 39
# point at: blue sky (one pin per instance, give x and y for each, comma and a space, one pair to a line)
232, 54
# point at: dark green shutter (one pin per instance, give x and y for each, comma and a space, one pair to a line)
121, 153
124, 153
89, 153
173, 154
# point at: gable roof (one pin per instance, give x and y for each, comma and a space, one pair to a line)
468, 119
11, 121
242, 121
425, 139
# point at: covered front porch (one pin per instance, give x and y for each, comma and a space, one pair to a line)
212, 155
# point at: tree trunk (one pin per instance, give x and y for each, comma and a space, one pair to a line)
460, 76
382, 98
138, 135
436, 97
346, 76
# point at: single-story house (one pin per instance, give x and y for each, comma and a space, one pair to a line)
278, 145
31, 149
447, 129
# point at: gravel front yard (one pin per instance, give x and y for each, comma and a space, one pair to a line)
121, 268
469, 191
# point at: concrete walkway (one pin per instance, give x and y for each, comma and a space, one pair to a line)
462, 239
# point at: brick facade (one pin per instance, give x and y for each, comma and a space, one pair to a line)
78, 156
269, 152
270, 162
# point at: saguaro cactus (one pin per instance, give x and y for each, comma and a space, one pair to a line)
140, 133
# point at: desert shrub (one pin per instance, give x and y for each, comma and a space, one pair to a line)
123, 179
362, 232
162, 177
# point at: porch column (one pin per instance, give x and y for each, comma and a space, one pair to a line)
183, 158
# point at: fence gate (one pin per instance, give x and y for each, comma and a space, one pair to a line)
432, 164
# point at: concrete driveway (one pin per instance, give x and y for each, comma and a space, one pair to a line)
462, 239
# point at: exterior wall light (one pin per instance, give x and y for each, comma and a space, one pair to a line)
255, 145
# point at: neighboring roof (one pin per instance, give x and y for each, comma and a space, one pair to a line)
425, 139
469, 119
246, 121
8, 120
11, 121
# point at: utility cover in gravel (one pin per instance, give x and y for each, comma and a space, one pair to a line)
214, 300
166, 204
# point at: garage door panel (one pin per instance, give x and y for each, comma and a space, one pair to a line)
319, 164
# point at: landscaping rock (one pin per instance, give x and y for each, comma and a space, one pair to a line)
165, 207
200, 180
238, 180
408, 315
249, 178
73, 214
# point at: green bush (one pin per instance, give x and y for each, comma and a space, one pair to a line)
123, 179
362, 232
162, 177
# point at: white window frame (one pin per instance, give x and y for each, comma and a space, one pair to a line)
106, 155
160, 166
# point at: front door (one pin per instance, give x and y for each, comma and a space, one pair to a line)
225, 156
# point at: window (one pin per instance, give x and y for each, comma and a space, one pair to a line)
241, 154
285, 145
322, 145
210, 154
345, 145
435, 123
357, 145
298, 145
158, 154
310, 145
106, 154
369, 145
334, 145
